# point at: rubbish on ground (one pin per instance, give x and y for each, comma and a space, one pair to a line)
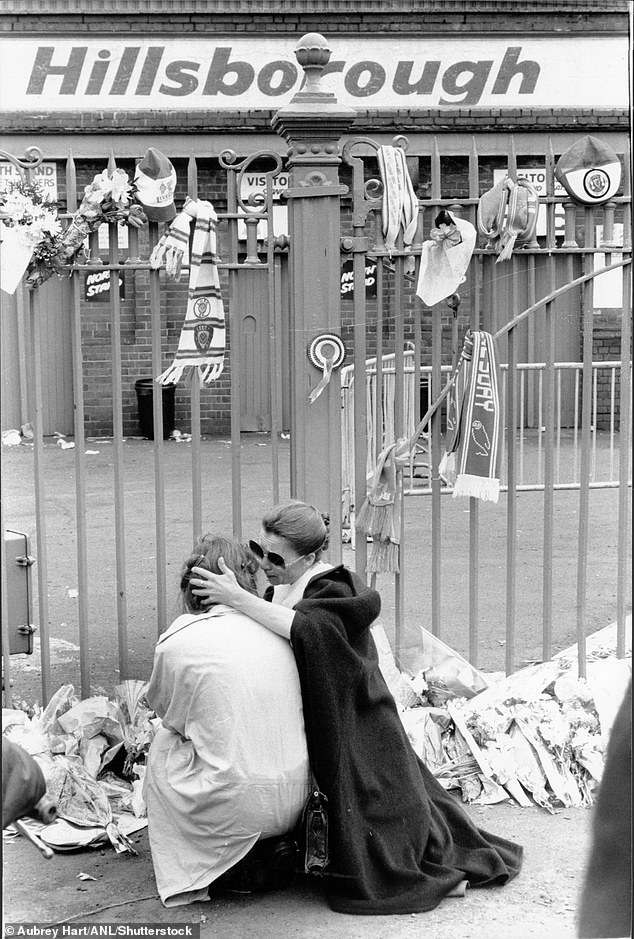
82, 876
11, 438
91, 452
537, 736
92, 753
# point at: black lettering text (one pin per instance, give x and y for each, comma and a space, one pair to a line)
510, 67
43, 67
403, 85
287, 78
179, 73
374, 82
472, 88
220, 67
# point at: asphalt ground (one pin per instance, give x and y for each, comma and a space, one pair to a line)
139, 562
541, 902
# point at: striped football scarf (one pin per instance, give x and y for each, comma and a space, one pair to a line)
400, 204
202, 340
471, 463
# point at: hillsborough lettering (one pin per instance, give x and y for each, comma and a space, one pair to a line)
251, 73
461, 82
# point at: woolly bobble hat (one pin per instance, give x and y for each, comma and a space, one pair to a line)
590, 171
155, 180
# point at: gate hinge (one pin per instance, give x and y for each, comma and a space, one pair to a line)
26, 630
25, 560
355, 245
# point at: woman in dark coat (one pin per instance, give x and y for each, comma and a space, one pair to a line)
399, 843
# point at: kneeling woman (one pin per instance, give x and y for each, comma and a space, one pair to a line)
399, 842
228, 768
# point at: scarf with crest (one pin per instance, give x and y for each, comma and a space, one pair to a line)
202, 340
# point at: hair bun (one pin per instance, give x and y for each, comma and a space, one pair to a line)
325, 519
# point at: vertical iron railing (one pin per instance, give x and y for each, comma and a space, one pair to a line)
532, 394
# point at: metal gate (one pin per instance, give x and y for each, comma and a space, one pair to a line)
553, 422
406, 353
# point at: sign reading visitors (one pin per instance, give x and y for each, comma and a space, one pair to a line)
97, 286
45, 175
59, 74
253, 193
347, 278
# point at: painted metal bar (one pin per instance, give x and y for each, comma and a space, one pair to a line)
379, 382
80, 460
511, 507
360, 400
80, 488
520, 432
399, 431
196, 451
549, 480
34, 343
7, 681
119, 474
276, 376
474, 508
612, 424
584, 474
194, 391
159, 469
558, 399
275, 365
236, 489
625, 444
540, 423
435, 433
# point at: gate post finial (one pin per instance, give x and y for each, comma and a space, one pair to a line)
313, 53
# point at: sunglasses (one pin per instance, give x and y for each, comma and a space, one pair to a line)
272, 557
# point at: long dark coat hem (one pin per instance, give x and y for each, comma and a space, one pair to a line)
399, 842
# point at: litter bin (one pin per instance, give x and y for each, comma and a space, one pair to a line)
144, 396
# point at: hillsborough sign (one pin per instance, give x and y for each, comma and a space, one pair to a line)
51, 74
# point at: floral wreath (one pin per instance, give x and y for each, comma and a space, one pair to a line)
110, 197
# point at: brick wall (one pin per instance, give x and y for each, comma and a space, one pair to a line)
606, 347
291, 19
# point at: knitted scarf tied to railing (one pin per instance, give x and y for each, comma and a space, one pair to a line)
202, 340
471, 463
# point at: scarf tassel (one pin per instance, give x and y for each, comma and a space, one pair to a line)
479, 487
376, 519
383, 558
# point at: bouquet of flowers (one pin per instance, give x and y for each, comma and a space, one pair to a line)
29, 226
108, 198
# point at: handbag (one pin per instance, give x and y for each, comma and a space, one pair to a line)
313, 834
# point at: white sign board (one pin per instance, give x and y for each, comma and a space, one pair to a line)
45, 175
608, 288
254, 185
131, 73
